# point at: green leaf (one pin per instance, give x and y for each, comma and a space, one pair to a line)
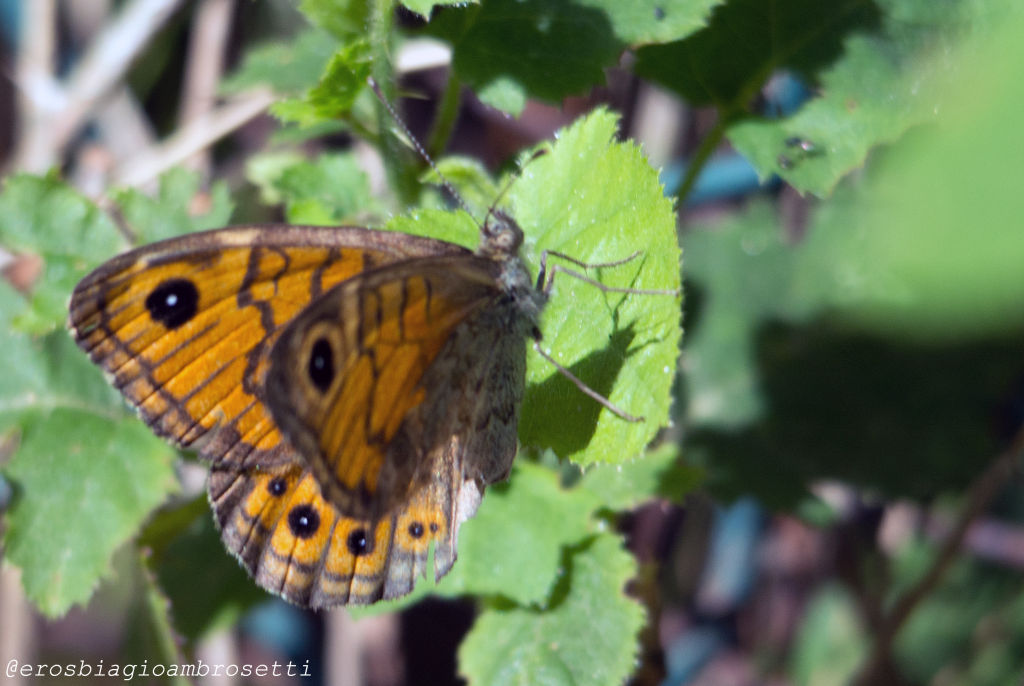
169, 213
42, 216
265, 169
46, 372
830, 644
150, 629
509, 50
85, 474
600, 201
84, 483
726, 63
744, 269
658, 474
287, 68
587, 634
883, 84
331, 190
454, 227
334, 96
471, 180
931, 249
26, 373
423, 7
514, 524
654, 21
343, 80
782, 368
343, 18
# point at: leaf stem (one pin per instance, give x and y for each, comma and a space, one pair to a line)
701, 157
401, 176
158, 617
447, 113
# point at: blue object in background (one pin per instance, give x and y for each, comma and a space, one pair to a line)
690, 652
285, 629
730, 175
731, 566
726, 583
6, 493
278, 625
10, 21
724, 176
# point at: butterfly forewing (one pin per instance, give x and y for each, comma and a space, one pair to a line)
184, 326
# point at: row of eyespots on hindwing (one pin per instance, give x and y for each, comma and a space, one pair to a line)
296, 545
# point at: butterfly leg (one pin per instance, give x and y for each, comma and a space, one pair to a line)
546, 279
585, 389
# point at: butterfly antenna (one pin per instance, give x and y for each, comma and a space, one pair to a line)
512, 179
416, 144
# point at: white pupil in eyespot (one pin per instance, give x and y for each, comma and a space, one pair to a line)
172, 299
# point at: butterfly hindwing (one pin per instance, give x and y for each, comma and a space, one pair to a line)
348, 377
184, 326
296, 544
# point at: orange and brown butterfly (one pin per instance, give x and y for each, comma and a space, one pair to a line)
354, 390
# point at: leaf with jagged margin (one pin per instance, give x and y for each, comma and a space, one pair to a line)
509, 51
40, 215
286, 67
85, 473
884, 83
658, 474
335, 94
585, 634
173, 211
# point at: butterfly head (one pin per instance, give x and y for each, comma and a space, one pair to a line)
500, 240
500, 236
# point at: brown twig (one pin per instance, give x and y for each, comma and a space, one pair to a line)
53, 112
980, 495
192, 138
39, 94
204, 65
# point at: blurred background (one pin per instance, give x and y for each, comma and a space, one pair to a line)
851, 384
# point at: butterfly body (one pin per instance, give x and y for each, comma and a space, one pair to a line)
355, 391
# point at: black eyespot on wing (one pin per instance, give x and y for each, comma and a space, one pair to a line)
303, 520
321, 365
173, 303
357, 542
433, 527
416, 529
277, 486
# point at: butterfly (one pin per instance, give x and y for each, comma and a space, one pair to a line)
354, 390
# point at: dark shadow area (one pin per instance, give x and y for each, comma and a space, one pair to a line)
570, 429
904, 419
504, 40
746, 37
431, 633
